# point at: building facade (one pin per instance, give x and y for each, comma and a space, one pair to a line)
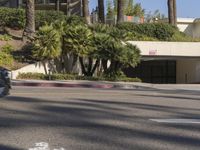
167, 62
72, 6
170, 62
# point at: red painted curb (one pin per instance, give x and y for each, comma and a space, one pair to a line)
42, 84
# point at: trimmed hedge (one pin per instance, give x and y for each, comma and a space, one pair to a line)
160, 31
40, 76
15, 18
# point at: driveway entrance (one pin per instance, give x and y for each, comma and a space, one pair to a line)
156, 71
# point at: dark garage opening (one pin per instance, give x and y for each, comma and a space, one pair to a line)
156, 71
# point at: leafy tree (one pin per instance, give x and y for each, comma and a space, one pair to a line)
138, 11
115, 6
129, 11
47, 45
134, 10
155, 15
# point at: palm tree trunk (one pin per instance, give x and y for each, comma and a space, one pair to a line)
171, 11
84, 72
120, 10
86, 14
175, 12
101, 11
30, 19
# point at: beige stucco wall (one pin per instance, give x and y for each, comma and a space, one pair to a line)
190, 26
182, 49
196, 30
188, 71
185, 53
34, 68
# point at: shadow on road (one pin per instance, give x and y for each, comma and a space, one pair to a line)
3, 147
106, 122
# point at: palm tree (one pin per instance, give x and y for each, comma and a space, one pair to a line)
47, 45
120, 10
172, 12
101, 11
86, 14
170, 4
30, 19
175, 13
78, 40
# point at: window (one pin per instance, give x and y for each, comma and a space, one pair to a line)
36, 1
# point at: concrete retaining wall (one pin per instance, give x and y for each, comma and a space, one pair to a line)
34, 68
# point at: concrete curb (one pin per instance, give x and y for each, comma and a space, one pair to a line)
80, 84
104, 85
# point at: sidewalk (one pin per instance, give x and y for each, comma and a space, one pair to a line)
105, 85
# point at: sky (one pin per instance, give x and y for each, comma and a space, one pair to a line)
185, 8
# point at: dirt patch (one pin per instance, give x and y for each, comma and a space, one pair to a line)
16, 44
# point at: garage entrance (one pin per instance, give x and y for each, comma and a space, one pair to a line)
155, 71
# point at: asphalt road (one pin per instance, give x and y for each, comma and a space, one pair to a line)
94, 119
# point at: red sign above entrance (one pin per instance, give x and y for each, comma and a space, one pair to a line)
152, 52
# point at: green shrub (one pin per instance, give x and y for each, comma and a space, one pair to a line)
62, 77
7, 49
47, 17
160, 31
5, 37
75, 20
15, 18
182, 37
6, 59
125, 79
36, 76
40, 76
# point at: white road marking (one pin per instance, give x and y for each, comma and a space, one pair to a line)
43, 146
179, 121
